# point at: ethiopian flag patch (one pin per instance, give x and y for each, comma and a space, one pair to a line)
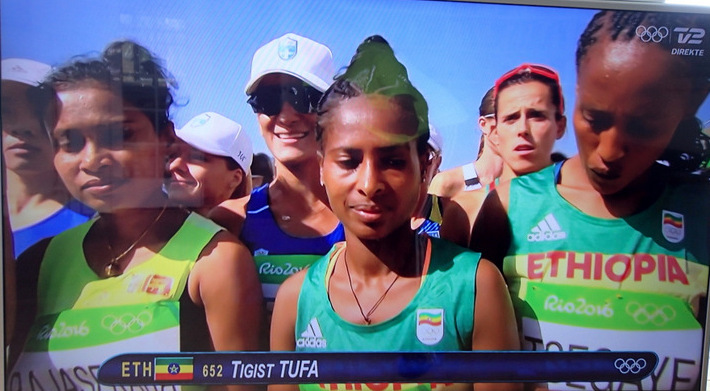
173, 368
430, 325
673, 226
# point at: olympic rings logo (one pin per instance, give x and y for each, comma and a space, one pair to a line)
652, 33
118, 325
629, 365
650, 313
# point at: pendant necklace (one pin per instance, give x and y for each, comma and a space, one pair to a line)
113, 267
366, 317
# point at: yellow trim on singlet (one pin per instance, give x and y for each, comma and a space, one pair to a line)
435, 214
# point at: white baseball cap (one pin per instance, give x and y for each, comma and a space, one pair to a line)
24, 71
293, 55
216, 134
435, 140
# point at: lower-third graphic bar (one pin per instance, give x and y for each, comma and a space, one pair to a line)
370, 367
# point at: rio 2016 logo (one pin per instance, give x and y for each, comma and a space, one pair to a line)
578, 306
286, 269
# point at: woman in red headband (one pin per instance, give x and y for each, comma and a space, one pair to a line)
529, 118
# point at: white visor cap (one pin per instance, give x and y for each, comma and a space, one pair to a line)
24, 71
436, 141
216, 134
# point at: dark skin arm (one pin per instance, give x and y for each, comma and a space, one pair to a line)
459, 214
494, 320
27, 275
491, 233
224, 281
283, 322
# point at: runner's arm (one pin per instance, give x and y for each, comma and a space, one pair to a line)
225, 283
283, 322
494, 322
27, 276
491, 232
459, 214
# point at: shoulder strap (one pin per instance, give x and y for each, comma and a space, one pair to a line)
558, 170
259, 199
192, 237
470, 177
435, 211
63, 271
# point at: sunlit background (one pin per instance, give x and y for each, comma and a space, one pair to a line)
453, 51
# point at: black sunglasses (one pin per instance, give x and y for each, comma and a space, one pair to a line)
270, 99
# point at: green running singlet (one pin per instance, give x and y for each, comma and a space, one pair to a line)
83, 320
584, 283
438, 318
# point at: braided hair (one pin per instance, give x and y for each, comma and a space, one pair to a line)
375, 70
689, 150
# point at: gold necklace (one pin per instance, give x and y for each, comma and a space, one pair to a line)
366, 317
113, 267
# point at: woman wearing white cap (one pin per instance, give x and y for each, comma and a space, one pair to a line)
210, 164
287, 224
38, 202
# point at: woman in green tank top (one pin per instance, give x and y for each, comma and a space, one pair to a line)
139, 255
634, 191
529, 117
373, 131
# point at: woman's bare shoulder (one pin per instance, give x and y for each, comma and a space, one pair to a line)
230, 214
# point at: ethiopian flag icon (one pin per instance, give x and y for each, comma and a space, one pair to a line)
673, 227
432, 318
430, 325
173, 368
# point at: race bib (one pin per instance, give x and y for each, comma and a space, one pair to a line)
63, 352
568, 318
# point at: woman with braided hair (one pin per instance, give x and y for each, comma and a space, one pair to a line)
608, 250
386, 288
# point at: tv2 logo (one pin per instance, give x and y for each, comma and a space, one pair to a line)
690, 35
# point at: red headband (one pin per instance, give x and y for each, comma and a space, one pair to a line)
533, 69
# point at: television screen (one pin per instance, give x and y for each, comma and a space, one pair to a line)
526, 180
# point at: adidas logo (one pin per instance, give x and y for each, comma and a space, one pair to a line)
546, 230
312, 337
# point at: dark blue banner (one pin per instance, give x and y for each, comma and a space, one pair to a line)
396, 367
